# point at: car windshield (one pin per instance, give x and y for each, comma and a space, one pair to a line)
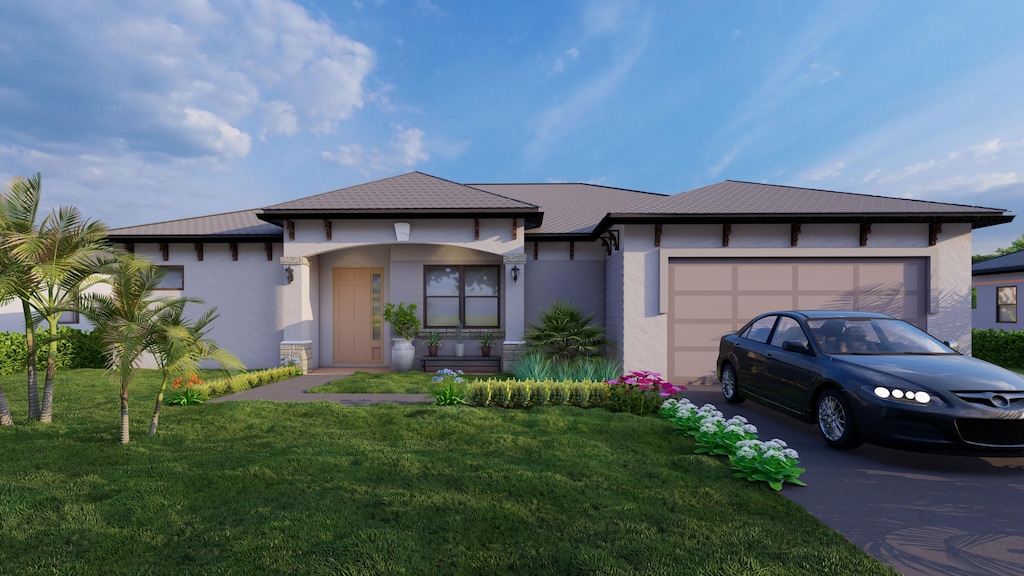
873, 336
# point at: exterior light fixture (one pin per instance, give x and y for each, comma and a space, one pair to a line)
515, 274
289, 274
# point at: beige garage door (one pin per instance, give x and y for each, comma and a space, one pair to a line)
712, 297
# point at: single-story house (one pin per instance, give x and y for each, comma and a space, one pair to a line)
666, 275
995, 286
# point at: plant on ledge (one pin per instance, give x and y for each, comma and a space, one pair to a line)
403, 319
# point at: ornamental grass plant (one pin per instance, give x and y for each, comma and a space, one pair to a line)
311, 488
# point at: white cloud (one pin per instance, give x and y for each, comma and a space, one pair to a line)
559, 65
406, 149
216, 134
824, 172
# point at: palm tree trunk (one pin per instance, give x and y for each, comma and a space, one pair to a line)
125, 435
46, 412
156, 411
30, 348
5, 411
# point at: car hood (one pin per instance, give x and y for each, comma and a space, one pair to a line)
939, 372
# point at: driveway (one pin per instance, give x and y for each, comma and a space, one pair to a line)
922, 514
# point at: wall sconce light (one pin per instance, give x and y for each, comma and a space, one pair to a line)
515, 274
289, 274
402, 231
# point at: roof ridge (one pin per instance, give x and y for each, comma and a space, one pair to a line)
571, 183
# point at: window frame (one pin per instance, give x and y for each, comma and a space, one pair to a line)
178, 267
1008, 306
462, 297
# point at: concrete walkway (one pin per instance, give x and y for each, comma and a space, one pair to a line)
295, 390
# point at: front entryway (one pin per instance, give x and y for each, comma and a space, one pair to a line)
357, 327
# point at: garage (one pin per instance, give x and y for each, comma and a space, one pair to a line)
709, 297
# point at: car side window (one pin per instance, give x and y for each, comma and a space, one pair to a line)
760, 329
788, 330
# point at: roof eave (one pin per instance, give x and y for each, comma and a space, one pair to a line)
184, 238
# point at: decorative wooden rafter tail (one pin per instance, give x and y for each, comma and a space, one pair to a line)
535, 249
290, 226
657, 235
328, 229
794, 233
934, 230
199, 250
865, 229
476, 229
572, 249
234, 250
269, 247
129, 247
726, 231
515, 228
164, 251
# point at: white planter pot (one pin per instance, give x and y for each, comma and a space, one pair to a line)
460, 348
403, 354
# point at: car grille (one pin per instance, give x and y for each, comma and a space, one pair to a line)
1011, 400
987, 432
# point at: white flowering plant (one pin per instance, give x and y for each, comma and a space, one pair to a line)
772, 462
450, 393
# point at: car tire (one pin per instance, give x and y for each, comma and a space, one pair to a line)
835, 420
730, 387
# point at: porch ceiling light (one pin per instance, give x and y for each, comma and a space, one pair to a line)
402, 231
289, 274
515, 274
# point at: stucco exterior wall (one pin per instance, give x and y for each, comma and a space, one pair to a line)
246, 293
553, 275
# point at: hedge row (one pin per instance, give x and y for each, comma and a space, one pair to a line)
1004, 348
75, 349
526, 393
245, 381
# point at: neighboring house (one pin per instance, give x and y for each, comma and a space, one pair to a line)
996, 285
666, 275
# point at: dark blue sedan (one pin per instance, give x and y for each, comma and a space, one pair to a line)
866, 377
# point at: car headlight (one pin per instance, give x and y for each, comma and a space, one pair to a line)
905, 395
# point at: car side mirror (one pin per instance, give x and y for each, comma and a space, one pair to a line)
795, 346
953, 344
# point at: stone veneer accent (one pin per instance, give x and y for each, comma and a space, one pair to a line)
510, 352
301, 350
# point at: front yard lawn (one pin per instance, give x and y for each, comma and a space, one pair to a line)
391, 383
257, 487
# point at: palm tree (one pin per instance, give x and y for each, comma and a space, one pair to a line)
60, 259
180, 347
18, 209
127, 320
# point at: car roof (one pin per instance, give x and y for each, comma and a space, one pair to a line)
816, 314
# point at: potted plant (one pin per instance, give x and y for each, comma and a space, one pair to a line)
460, 346
433, 343
404, 324
485, 343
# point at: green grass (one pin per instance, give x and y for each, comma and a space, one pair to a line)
390, 383
318, 488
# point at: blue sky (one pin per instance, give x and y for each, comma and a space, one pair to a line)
147, 111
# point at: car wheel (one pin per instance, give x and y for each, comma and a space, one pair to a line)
835, 420
730, 388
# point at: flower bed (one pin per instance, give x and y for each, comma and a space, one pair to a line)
772, 462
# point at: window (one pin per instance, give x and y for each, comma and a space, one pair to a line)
466, 293
70, 317
1006, 304
789, 330
174, 278
759, 330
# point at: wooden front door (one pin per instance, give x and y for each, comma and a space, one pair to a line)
358, 304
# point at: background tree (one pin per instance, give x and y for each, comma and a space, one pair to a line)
1015, 246
19, 206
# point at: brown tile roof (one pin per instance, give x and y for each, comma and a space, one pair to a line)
570, 208
228, 227
412, 192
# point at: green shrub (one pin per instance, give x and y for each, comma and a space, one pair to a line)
1005, 348
565, 332
533, 366
245, 381
75, 349
524, 394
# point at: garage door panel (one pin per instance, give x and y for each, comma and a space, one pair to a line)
704, 306
765, 277
701, 278
749, 306
705, 303
825, 277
